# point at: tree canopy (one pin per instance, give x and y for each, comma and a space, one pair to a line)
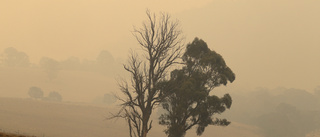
188, 101
35, 92
54, 96
50, 66
14, 58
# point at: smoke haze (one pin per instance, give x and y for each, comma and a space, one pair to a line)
77, 47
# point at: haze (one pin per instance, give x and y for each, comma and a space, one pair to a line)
266, 43
273, 44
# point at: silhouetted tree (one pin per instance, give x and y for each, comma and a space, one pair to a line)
14, 58
50, 66
35, 92
189, 102
54, 96
160, 40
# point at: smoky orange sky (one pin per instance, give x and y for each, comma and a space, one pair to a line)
267, 43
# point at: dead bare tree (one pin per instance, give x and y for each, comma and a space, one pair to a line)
161, 41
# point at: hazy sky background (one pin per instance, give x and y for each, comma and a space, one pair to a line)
267, 43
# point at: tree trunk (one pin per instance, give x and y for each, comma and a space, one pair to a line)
145, 127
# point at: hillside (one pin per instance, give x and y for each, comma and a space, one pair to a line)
12, 135
75, 86
31, 117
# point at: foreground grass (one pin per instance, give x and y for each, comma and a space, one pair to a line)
12, 135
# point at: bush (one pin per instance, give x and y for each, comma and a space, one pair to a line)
54, 96
35, 92
109, 99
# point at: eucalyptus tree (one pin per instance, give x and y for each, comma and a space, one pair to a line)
188, 101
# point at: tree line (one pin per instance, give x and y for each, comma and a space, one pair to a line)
37, 93
104, 63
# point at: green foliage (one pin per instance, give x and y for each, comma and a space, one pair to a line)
187, 99
201, 60
35, 92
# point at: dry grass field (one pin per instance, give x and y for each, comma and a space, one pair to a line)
48, 119
24, 116
12, 135
75, 86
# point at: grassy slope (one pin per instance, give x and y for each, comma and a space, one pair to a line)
31, 117
12, 135
70, 120
54, 119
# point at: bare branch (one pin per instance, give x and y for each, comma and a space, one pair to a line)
160, 39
